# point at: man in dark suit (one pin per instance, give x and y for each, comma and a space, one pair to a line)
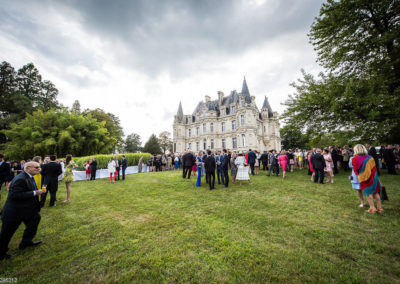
218, 161
93, 169
4, 172
318, 163
264, 160
124, 166
390, 160
117, 166
22, 205
335, 159
50, 173
251, 159
210, 165
224, 167
188, 161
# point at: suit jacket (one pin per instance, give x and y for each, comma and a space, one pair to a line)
188, 160
21, 202
251, 157
225, 162
124, 163
318, 161
218, 158
209, 164
50, 173
93, 165
117, 164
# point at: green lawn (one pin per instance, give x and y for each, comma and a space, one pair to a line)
157, 227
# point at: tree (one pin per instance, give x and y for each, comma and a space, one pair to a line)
357, 44
293, 138
152, 145
76, 107
133, 143
56, 132
165, 141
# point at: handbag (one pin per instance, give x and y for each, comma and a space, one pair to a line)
384, 194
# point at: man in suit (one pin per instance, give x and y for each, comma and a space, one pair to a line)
251, 159
390, 160
218, 161
224, 167
335, 159
210, 165
318, 163
117, 166
124, 166
4, 172
22, 205
50, 173
188, 161
264, 160
93, 169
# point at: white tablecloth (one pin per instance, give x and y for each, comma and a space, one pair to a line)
103, 173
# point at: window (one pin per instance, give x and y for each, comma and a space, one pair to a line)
242, 120
197, 131
243, 140
189, 132
204, 128
211, 127
223, 144
190, 146
233, 124
174, 147
205, 144
222, 126
234, 143
197, 146
212, 143
242, 103
222, 112
233, 110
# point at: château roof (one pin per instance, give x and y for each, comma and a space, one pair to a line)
179, 114
267, 106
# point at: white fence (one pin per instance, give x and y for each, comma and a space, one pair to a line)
103, 173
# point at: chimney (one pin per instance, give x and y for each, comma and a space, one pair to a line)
207, 98
220, 97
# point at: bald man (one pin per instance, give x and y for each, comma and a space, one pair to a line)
22, 205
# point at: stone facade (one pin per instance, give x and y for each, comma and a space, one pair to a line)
233, 122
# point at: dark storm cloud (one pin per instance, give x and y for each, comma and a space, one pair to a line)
156, 36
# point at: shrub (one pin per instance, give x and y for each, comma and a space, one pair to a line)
102, 160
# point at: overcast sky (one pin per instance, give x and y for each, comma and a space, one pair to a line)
138, 59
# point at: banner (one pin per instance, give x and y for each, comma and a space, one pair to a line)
103, 173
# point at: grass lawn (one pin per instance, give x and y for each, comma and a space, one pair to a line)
157, 227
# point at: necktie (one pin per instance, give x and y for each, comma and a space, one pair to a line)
34, 183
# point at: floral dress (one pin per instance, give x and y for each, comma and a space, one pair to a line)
68, 175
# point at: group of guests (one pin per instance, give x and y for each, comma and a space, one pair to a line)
90, 167
114, 168
27, 195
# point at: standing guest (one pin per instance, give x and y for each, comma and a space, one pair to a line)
187, 161
390, 160
87, 168
346, 158
194, 168
124, 166
218, 160
257, 163
270, 161
210, 165
149, 164
224, 167
283, 161
199, 163
233, 168
4, 170
251, 160
16, 169
69, 175
93, 169
243, 169
38, 177
310, 166
112, 169
318, 164
328, 166
50, 172
176, 161
61, 176
373, 153
264, 160
117, 166
291, 159
396, 152
46, 159
335, 158
22, 205
365, 169
22, 164
355, 183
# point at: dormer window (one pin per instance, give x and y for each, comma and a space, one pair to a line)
233, 110
222, 112
242, 103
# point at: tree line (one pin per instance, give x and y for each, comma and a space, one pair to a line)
33, 122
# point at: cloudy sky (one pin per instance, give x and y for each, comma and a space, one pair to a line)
138, 59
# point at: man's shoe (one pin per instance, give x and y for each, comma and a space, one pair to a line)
6, 256
31, 244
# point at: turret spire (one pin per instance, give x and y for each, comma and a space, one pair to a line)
267, 106
179, 114
245, 89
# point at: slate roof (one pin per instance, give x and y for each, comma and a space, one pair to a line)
267, 106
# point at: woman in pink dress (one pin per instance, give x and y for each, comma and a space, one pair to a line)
283, 162
310, 164
329, 165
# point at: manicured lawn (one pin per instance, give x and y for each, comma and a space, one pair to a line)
157, 227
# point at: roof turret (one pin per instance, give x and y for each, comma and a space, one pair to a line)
267, 106
179, 114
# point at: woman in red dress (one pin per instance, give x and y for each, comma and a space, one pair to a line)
87, 167
309, 162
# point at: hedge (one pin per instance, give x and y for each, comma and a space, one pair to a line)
102, 160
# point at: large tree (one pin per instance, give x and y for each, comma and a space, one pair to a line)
165, 141
133, 143
57, 132
152, 145
357, 43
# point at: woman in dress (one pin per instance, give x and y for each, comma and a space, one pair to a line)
87, 168
199, 163
243, 169
329, 165
283, 161
365, 169
176, 161
234, 168
257, 163
291, 158
194, 169
69, 176
112, 169
310, 167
